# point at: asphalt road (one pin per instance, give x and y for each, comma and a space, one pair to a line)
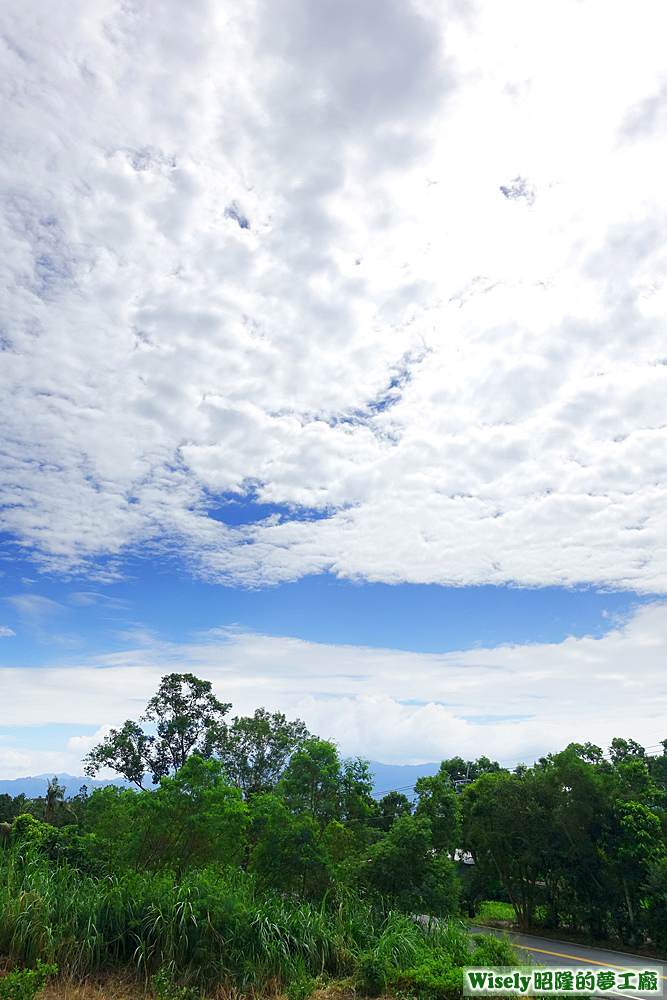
547, 951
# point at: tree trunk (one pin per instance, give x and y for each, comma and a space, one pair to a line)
627, 899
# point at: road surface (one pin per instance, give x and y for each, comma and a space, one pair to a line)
547, 951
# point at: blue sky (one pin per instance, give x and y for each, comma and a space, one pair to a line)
333, 367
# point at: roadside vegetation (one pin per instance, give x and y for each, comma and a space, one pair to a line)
245, 857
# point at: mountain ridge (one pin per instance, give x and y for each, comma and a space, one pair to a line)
387, 777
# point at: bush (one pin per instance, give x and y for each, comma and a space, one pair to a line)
27, 830
492, 950
373, 972
206, 927
301, 987
25, 984
165, 988
434, 978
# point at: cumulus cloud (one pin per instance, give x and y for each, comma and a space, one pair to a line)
511, 702
259, 251
81, 745
21, 763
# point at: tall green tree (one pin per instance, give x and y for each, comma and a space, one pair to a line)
504, 819
312, 782
390, 807
256, 749
438, 801
318, 783
188, 719
404, 868
55, 794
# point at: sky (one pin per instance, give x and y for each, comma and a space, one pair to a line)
333, 369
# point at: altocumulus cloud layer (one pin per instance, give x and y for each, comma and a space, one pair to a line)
512, 702
349, 259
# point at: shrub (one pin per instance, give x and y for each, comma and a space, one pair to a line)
373, 972
25, 984
434, 978
165, 988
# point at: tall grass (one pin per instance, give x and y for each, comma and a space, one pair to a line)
206, 927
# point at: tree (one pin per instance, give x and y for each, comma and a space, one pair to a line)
194, 818
391, 806
312, 782
54, 793
438, 801
127, 751
632, 845
658, 770
317, 782
622, 750
504, 818
357, 790
256, 749
189, 720
289, 854
460, 772
403, 868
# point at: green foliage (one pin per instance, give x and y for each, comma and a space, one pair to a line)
301, 987
373, 971
391, 806
128, 751
436, 969
312, 782
655, 914
318, 784
164, 987
289, 856
403, 868
261, 860
456, 770
5, 834
438, 801
11, 807
55, 794
491, 950
494, 910
434, 978
572, 839
256, 749
193, 818
189, 720
204, 926
23, 985
28, 830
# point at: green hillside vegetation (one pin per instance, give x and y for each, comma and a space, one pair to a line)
249, 858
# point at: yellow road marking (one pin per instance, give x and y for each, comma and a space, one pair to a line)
586, 961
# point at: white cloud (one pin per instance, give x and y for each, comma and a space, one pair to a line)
20, 763
511, 702
34, 606
81, 745
471, 386
6, 631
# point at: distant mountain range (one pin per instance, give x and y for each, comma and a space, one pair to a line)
36, 786
388, 777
